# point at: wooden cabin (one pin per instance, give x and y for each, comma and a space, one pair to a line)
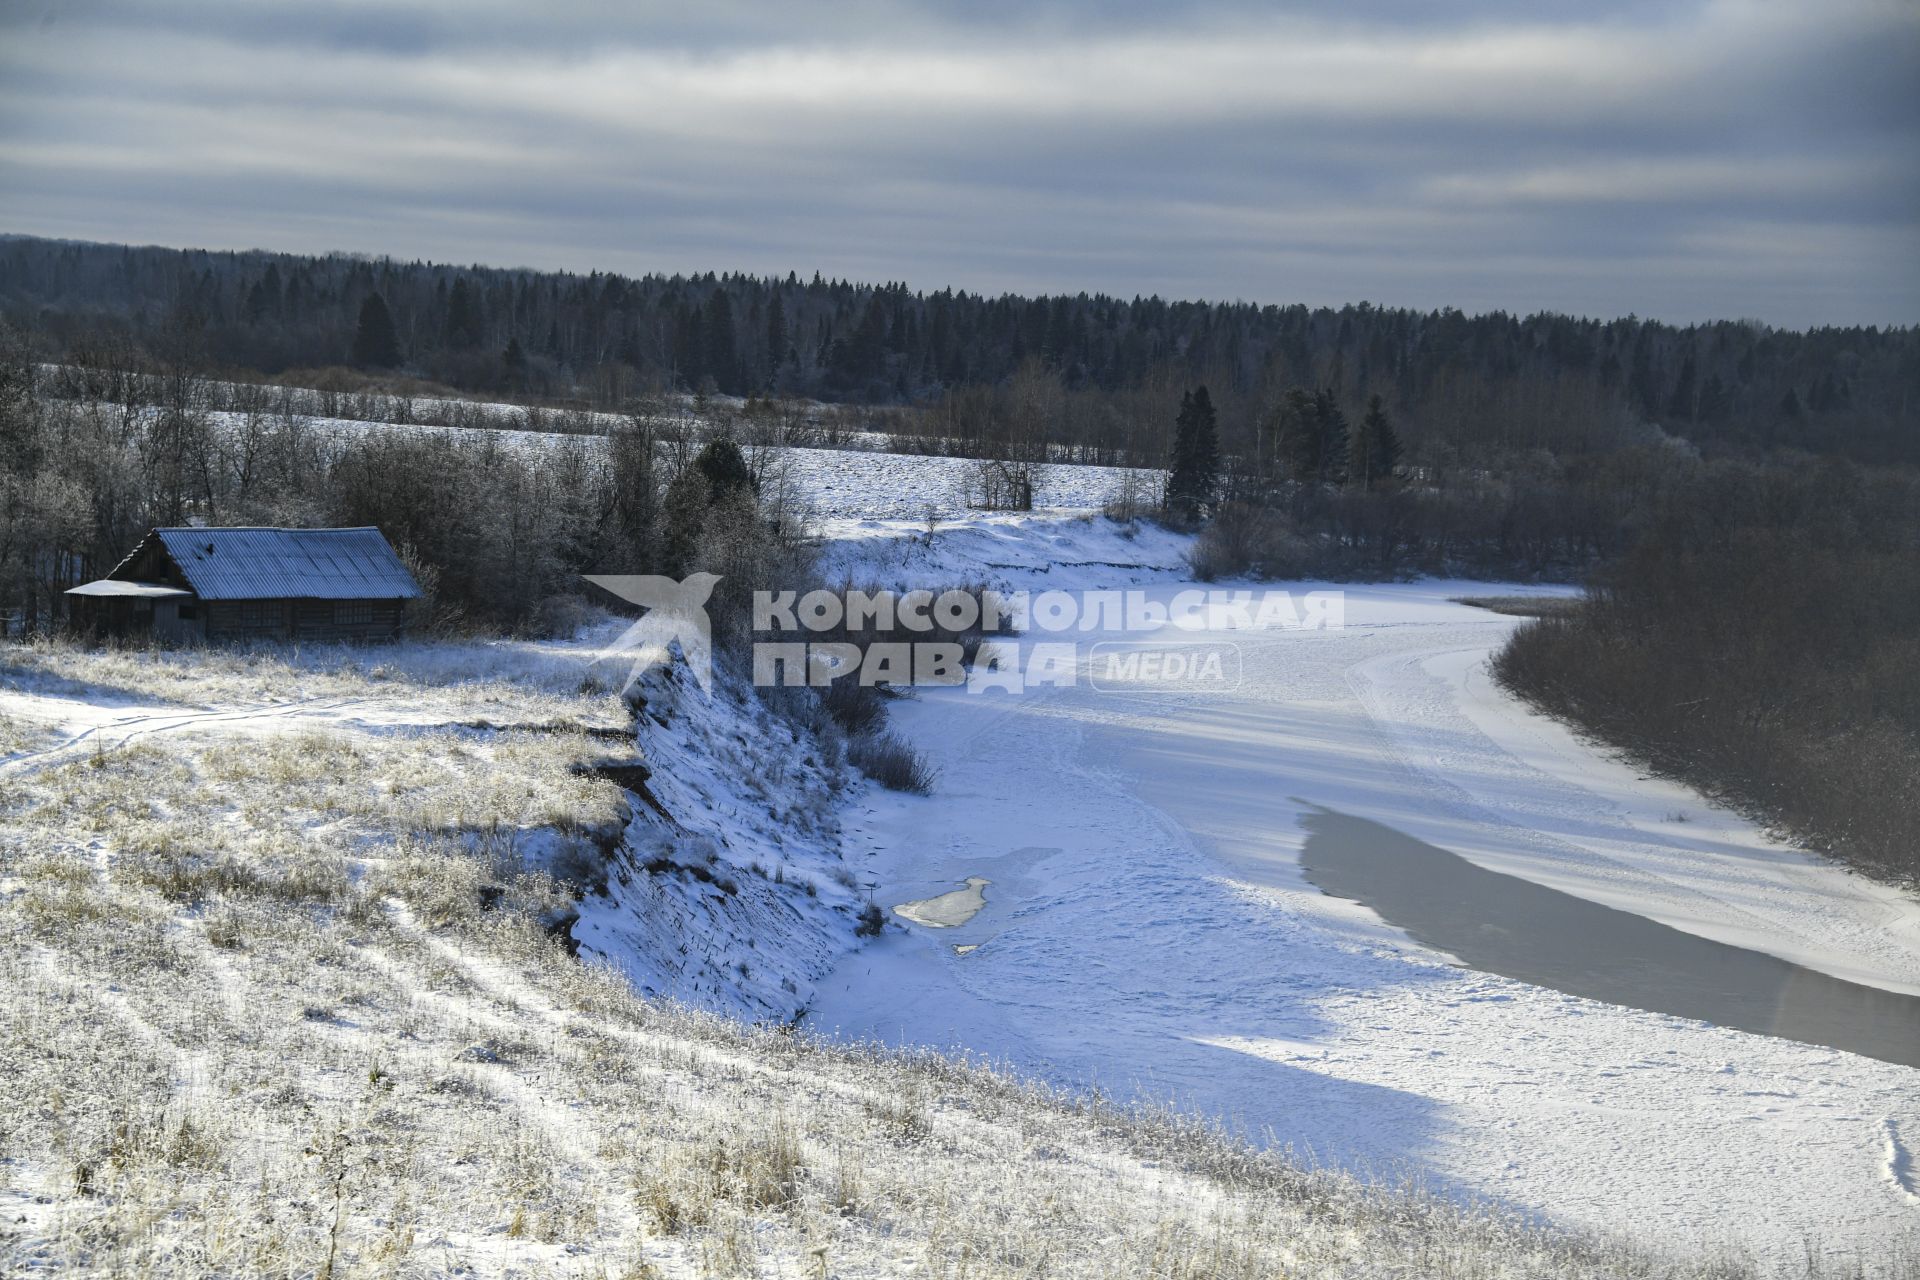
222, 586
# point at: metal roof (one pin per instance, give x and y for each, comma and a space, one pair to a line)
115, 587
273, 564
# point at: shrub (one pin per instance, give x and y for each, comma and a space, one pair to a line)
1243, 540
891, 763
857, 708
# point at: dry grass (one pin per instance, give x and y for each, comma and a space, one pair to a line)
18, 735
1524, 606
504, 682
890, 762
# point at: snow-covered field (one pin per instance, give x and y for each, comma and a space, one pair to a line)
832, 484
1147, 928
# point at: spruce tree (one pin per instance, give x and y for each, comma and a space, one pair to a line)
726, 470
1714, 401
1299, 435
1376, 448
375, 345
690, 346
683, 517
1194, 470
1335, 440
513, 364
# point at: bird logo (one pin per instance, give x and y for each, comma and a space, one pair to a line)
676, 612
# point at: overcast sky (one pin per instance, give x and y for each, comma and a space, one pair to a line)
1678, 160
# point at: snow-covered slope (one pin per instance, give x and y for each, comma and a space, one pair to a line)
727, 890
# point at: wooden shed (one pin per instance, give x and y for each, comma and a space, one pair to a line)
226, 585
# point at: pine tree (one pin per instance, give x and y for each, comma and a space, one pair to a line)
1376, 447
1194, 471
375, 344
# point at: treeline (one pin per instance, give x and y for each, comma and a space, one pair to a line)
94, 455
1112, 368
1761, 640
1317, 494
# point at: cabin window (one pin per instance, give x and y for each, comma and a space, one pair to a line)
189, 613
353, 613
257, 613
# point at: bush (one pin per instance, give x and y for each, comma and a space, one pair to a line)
857, 708
1243, 540
891, 763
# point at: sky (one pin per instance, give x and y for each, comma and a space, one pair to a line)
1734, 158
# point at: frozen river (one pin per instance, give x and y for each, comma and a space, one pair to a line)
1149, 928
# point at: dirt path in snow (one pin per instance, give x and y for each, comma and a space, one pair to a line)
135, 722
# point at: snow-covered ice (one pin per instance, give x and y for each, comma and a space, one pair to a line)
1148, 929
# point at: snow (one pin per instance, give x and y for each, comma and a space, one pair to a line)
1141, 922
851, 483
734, 897
1148, 930
1663, 852
1066, 551
367, 1055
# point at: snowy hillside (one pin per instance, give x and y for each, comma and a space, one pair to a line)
728, 891
285, 992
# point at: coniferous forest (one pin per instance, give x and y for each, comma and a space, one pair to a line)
1485, 385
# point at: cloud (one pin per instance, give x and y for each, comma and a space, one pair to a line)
1585, 158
